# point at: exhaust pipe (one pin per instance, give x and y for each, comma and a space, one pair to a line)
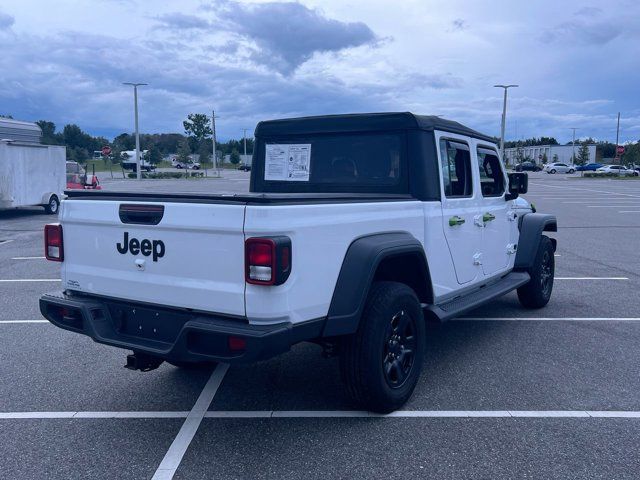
142, 362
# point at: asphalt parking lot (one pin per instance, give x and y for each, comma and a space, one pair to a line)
505, 392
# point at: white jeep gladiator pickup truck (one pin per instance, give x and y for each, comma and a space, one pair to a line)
357, 229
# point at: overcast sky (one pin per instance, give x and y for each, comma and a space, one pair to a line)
577, 63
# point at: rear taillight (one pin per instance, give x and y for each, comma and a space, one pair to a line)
53, 245
267, 260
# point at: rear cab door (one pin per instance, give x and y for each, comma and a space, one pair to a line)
460, 205
496, 219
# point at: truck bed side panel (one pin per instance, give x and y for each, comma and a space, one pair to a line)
320, 236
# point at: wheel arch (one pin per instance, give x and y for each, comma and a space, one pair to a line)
531, 227
392, 256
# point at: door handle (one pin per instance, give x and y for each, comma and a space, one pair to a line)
456, 220
487, 217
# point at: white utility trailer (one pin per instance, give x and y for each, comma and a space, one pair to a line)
30, 173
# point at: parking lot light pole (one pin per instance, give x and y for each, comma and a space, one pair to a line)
573, 146
135, 108
504, 117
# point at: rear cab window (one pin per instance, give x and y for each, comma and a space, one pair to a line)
367, 162
455, 160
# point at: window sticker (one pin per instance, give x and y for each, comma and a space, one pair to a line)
287, 162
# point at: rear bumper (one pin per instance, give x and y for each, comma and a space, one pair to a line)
172, 334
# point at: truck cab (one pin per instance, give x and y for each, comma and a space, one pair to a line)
357, 230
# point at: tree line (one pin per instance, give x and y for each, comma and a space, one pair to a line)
197, 138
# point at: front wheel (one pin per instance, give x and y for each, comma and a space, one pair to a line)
571, 170
53, 206
381, 362
537, 292
552, 171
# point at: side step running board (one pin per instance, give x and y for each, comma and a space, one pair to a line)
459, 305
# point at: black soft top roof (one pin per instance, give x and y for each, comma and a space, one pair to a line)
364, 122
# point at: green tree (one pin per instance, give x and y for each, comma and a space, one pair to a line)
204, 153
154, 156
197, 126
545, 159
49, 135
6, 116
583, 154
184, 151
235, 157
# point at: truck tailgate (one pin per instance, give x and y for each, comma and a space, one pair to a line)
192, 258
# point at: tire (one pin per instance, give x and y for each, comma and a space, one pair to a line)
53, 206
192, 365
537, 292
380, 364
552, 171
571, 170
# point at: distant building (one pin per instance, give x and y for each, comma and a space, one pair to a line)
554, 153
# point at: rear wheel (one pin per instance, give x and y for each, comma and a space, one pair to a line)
571, 170
53, 206
537, 292
381, 362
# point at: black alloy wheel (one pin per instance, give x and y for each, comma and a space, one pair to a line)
399, 350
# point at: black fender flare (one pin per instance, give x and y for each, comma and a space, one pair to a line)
359, 267
531, 227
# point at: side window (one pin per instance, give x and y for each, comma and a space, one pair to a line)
491, 176
456, 168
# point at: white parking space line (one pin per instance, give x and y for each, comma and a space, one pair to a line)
274, 414
564, 187
629, 211
591, 278
28, 258
178, 448
3, 242
16, 280
610, 206
548, 319
4, 322
134, 414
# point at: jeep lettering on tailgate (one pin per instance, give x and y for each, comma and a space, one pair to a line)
145, 246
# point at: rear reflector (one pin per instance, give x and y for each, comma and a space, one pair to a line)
267, 260
237, 343
53, 244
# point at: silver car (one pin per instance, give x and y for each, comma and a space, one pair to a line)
558, 167
619, 169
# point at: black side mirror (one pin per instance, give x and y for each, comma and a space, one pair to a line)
518, 183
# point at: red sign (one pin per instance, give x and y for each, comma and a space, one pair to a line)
620, 149
106, 150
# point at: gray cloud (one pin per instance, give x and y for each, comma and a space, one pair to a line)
288, 34
588, 26
182, 21
459, 24
6, 21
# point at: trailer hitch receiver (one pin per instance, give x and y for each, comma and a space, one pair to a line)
142, 362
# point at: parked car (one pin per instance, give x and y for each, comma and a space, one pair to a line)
316, 252
558, 167
589, 167
245, 168
188, 165
527, 166
617, 169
